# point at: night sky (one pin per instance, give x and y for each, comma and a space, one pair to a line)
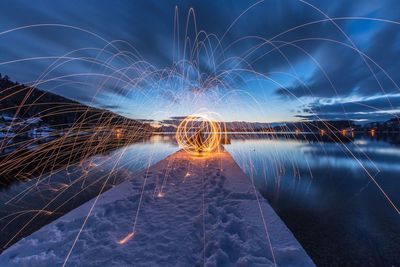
282, 60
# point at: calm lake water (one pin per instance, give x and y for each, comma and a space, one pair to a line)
66, 189
321, 190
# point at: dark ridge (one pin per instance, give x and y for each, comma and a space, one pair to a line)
19, 100
68, 131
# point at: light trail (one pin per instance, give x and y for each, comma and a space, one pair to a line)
126, 238
190, 80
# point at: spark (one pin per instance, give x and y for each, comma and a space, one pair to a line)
125, 239
199, 133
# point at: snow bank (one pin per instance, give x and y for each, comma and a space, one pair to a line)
183, 211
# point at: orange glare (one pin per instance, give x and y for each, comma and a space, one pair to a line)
372, 132
126, 238
198, 133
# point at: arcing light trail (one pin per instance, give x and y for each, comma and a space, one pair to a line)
199, 133
189, 80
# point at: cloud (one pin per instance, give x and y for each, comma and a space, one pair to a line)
317, 65
372, 108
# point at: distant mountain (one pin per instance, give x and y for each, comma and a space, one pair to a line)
315, 126
392, 125
41, 131
243, 126
19, 100
170, 125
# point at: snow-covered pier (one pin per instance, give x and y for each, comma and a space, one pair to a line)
182, 211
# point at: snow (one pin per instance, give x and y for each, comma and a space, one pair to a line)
33, 120
7, 135
40, 132
182, 211
6, 117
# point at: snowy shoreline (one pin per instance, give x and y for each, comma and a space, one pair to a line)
182, 211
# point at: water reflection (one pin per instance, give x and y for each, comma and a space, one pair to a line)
317, 184
63, 190
322, 192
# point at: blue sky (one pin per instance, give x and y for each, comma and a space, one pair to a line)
280, 60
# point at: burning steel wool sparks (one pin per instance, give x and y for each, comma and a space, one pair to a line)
92, 113
126, 238
200, 134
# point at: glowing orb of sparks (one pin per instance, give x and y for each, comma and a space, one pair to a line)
199, 133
